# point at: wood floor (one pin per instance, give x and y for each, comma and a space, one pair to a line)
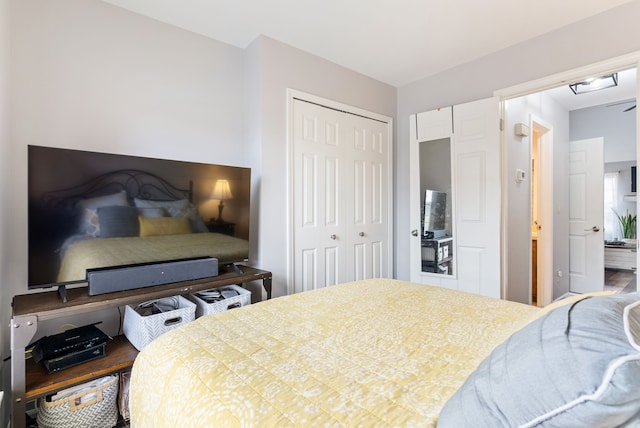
620, 281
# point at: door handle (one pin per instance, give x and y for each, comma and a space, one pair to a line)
593, 229
414, 232
334, 237
361, 234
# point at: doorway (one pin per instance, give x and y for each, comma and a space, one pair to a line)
518, 261
541, 210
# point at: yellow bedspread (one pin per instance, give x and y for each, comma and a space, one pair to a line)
104, 252
369, 353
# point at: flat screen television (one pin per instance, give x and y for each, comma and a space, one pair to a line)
434, 214
90, 210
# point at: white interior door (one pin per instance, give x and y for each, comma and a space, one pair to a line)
477, 166
366, 198
341, 183
586, 199
318, 139
476, 158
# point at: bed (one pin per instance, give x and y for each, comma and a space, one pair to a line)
104, 252
377, 352
122, 217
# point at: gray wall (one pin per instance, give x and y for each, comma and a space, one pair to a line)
91, 76
585, 42
617, 127
5, 179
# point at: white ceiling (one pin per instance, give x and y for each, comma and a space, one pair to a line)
626, 90
396, 42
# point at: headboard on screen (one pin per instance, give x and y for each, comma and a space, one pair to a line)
88, 210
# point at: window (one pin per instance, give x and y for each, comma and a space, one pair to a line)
611, 227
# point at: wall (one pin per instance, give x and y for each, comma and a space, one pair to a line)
518, 212
91, 76
88, 75
570, 47
618, 128
5, 247
285, 67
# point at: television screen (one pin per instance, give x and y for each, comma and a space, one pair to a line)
92, 210
435, 211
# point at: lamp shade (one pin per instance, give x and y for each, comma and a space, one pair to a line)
221, 190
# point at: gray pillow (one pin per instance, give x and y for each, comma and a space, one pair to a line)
148, 203
119, 198
152, 212
577, 366
118, 221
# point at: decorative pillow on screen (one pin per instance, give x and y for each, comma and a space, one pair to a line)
119, 199
190, 212
150, 226
118, 221
152, 212
147, 203
89, 223
576, 366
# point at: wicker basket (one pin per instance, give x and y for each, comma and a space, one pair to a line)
141, 330
91, 405
203, 308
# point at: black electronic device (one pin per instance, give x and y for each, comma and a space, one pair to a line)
71, 359
130, 277
71, 341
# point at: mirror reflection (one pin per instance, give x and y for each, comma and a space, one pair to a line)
436, 205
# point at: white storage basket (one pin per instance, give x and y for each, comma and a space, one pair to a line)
204, 308
141, 330
93, 404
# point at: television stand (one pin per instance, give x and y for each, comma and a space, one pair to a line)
62, 291
30, 381
235, 267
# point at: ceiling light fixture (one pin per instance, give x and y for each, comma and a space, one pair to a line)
590, 85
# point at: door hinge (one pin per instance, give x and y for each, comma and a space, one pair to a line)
501, 124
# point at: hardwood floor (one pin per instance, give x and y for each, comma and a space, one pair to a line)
620, 281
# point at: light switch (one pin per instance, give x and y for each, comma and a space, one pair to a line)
520, 174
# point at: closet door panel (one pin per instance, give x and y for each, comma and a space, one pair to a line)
319, 253
340, 196
367, 206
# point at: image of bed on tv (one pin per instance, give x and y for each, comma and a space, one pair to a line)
91, 210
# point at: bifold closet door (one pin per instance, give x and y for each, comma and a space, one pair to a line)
340, 197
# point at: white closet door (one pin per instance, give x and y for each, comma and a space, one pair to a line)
341, 197
319, 251
366, 198
477, 192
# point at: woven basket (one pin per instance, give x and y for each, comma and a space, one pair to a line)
203, 308
141, 330
94, 407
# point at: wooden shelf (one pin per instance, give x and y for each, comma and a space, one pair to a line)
48, 305
120, 357
30, 380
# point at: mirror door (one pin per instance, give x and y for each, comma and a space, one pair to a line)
432, 199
